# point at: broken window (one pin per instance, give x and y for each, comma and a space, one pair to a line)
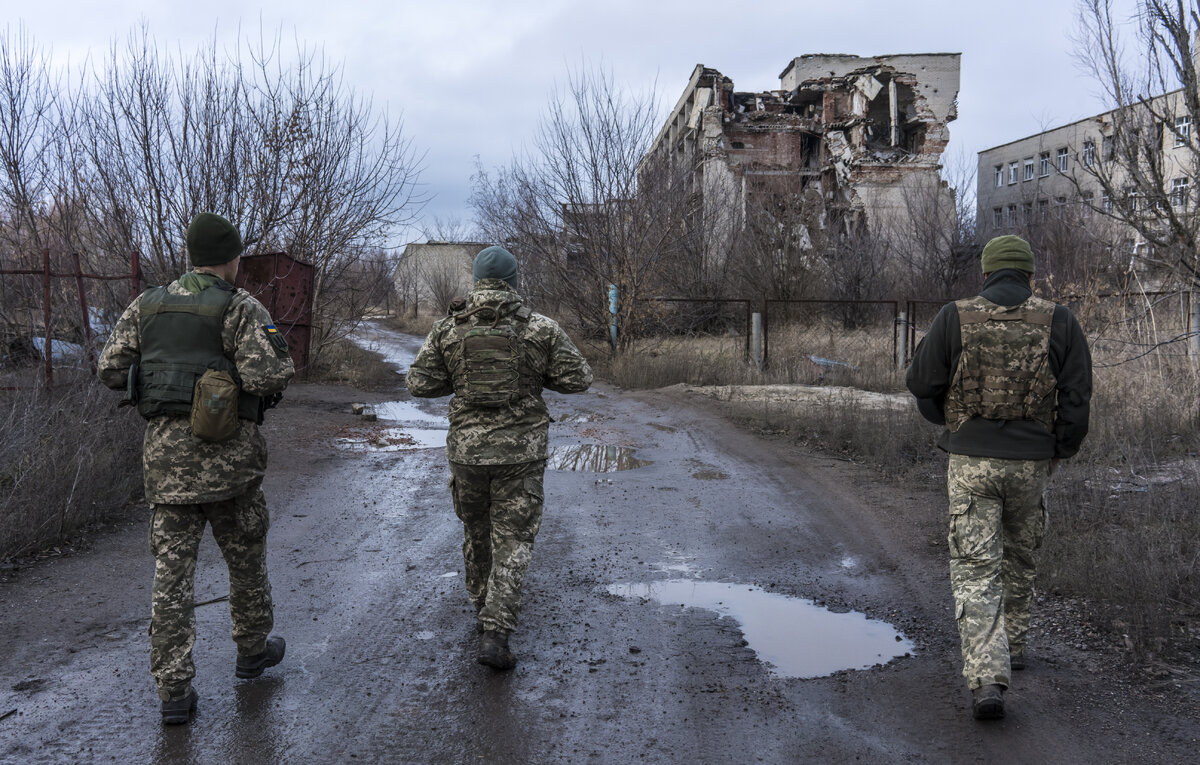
1183, 129
1106, 147
1089, 152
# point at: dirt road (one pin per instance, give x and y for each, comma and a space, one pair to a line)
817, 624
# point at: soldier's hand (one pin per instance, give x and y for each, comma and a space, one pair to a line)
271, 400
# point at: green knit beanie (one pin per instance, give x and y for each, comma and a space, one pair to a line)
497, 263
1007, 251
212, 240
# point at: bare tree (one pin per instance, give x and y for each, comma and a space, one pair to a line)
1156, 100
934, 240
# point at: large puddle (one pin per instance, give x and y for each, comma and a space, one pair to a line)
792, 636
594, 458
394, 440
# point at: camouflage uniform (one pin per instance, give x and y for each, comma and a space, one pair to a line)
1010, 377
497, 455
190, 482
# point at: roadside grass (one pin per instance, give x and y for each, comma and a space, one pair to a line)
68, 459
346, 363
1124, 514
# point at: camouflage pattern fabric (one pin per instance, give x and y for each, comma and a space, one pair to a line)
997, 520
501, 510
510, 434
239, 525
179, 468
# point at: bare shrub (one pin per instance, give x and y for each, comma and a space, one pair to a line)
68, 458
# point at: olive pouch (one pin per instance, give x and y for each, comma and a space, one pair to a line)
214, 414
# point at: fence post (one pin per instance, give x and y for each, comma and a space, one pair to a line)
756, 339
901, 346
47, 320
135, 275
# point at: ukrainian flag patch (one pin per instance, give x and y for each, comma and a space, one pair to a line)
278, 342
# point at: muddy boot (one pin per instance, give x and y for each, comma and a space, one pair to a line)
988, 702
178, 710
493, 650
253, 666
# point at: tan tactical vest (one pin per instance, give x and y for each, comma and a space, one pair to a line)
1004, 370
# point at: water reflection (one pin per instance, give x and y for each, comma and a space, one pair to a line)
794, 637
394, 440
594, 458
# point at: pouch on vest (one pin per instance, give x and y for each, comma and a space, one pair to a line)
214, 414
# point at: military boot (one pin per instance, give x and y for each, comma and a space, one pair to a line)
253, 666
493, 650
178, 710
1017, 661
988, 702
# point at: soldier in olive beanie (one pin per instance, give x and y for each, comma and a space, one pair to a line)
212, 240
497, 263
1007, 251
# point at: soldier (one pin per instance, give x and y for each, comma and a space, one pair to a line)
201, 339
1010, 376
495, 356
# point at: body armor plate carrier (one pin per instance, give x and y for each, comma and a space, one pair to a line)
181, 338
494, 371
1004, 370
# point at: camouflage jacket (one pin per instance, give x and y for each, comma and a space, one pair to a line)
508, 435
177, 467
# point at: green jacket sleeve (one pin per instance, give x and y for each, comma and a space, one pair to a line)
121, 350
567, 371
428, 376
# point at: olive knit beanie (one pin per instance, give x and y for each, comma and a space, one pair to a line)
212, 240
497, 263
1007, 251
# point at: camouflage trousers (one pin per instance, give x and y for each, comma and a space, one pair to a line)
997, 520
500, 507
239, 526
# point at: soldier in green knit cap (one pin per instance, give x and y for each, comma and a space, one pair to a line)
1009, 375
174, 338
495, 355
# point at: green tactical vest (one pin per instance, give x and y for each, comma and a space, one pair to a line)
1004, 370
493, 372
180, 339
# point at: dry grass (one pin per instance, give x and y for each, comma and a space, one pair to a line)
345, 363
1125, 513
68, 459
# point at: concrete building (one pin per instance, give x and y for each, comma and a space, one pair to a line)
1075, 173
429, 274
850, 135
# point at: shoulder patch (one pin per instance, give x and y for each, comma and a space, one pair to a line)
277, 340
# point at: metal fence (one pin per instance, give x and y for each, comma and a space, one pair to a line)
43, 319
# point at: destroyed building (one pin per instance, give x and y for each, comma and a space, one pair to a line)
849, 136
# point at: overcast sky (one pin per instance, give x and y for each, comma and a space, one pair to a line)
473, 77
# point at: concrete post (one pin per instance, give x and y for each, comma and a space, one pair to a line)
756, 338
902, 345
612, 309
1194, 326
894, 109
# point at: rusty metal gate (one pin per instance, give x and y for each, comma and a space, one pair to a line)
285, 286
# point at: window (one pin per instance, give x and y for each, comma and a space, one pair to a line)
1183, 130
1060, 201
999, 176
1027, 213
1085, 209
1106, 146
1028, 169
1106, 203
997, 217
1062, 160
1179, 192
1044, 164
1010, 215
1089, 153
1133, 197
1043, 207
1012, 173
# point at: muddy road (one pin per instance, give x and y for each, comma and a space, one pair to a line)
696, 595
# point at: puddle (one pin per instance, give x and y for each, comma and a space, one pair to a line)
407, 411
395, 440
581, 417
794, 637
710, 475
448, 575
594, 458
663, 428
